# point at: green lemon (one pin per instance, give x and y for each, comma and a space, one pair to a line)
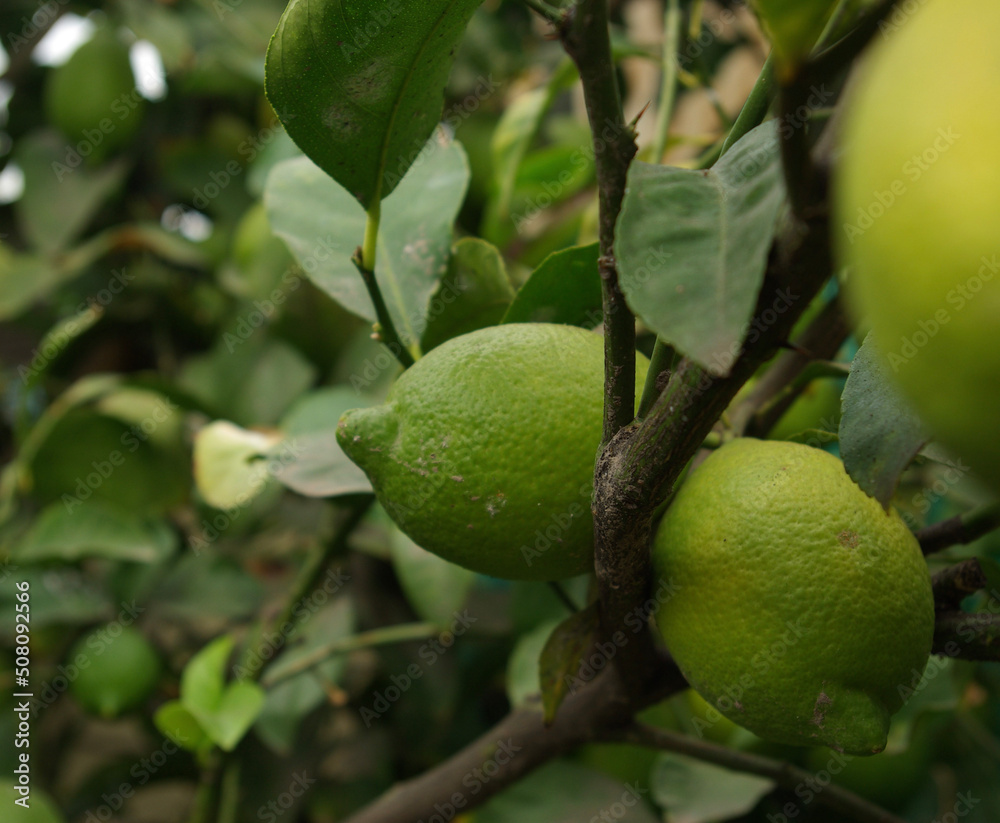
918, 205
484, 451
118, 669
801, 605
92, 98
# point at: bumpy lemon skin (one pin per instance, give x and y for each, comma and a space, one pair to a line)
917, 204
484, 450
801, 606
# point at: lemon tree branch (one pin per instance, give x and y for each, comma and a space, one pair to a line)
968, 636
960, 529
586, 38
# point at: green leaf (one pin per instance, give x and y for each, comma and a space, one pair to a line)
517, 130
95, 529
565, 288
179, 725
288, 702
200, 588
564, 792
879, 433
225, 469
312, 462
522, 665
474, 293
24, 280
225, 713
240, 706
204, 679
695, 792
359, 84
434, 587
42, 808
59, 201
692, 246
793, 26
323, 226
559, 665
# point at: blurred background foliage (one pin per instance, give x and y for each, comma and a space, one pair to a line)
171, 381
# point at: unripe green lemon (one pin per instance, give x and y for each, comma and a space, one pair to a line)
801, 606
918, 206
92, 99
484, 450
118, 669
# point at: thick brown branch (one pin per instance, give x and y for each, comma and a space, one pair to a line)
968, 636
513, 748
954, 584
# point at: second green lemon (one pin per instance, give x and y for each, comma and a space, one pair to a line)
484, 451
803, 611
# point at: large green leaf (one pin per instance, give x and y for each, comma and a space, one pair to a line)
565, 288
323, 226
474, 293
359, 84
95, 529
696, 792
692, 246
59, 200
435, 588
562, 792
879, 433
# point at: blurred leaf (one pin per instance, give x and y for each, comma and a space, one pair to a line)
250, 377
474, 293
517, 130
793, 27
95, 529
225, 466
434, 587
61, 596
692, 246
695, 792
559, 663
879, 432
289, 701
89, 456
59, 199
566, 288
562, 792
377, 71
224, 712
24, 280
59, 338
313, 464
40, 809
180, 726
199, 588
323, 226
522, 664
168, 245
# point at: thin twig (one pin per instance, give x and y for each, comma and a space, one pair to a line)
968, 636
755, 108
656, 378
551, 13
784, 774
960, 529
668, 83
310, 577
386, 329
586, 38
384, 636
